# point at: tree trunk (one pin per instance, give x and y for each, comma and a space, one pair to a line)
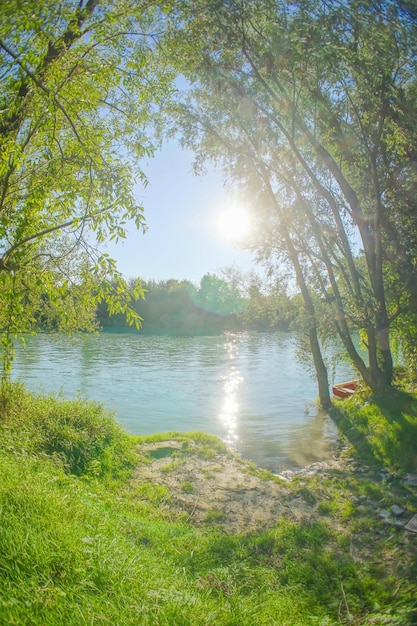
319, 364
321, 369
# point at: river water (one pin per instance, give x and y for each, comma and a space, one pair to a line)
249, 389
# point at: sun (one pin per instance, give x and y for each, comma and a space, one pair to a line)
234, 223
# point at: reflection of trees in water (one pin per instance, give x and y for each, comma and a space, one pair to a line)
313, 440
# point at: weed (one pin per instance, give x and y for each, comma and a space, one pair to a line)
307, 494
214, 516
81, 437
156, 494
171, 467
207, 452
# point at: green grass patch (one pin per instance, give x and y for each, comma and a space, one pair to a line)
82, 437
171, 467
214, 516
81, 542
188, 439
162, 453
382, 430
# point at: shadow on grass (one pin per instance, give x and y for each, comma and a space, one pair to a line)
400, 412
303, 563
354, 436
382, 430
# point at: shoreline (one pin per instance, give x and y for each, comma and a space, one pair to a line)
176, 524
204, 486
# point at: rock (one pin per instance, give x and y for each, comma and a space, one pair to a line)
396, 510
412, 524
411, 479
362, 498
386, 475
384, 513
354, 499
398, 523
285, 476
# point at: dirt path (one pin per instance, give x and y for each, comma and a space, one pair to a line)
217, 487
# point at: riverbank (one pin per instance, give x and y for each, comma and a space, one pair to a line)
100, 527
219, 487
208, 485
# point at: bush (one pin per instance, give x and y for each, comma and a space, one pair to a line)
79, 435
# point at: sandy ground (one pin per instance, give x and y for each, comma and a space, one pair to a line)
221, 489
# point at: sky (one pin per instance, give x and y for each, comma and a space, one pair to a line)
190, 220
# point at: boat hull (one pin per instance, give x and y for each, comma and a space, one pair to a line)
345, 390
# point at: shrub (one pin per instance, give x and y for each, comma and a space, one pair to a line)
81, 436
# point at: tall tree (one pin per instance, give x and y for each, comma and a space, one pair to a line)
80, 82
311, 107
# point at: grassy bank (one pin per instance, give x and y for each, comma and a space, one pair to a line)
85, 540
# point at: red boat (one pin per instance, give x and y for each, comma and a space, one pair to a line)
345, 390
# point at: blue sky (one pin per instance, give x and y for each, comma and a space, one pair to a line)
182, 211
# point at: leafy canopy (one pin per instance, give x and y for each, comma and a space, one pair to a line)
310, 107
80, 82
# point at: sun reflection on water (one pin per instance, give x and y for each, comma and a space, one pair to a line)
229, 412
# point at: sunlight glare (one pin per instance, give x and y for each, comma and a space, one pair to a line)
233, 223
230, 410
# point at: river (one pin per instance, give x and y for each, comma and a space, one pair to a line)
249, 389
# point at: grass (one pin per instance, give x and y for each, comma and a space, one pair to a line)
187, 487
81, 544
382, 430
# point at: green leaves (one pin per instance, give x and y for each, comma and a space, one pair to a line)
306, 108
79, 85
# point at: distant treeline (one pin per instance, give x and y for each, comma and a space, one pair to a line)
234, 302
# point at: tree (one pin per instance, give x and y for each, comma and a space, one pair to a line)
218, 296
311, 108
168, 306
264, 301
80, 82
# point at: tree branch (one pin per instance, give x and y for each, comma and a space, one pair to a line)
71, 34
46, 231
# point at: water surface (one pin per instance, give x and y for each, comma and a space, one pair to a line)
247, 388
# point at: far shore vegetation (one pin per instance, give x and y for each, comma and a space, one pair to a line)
230, 300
